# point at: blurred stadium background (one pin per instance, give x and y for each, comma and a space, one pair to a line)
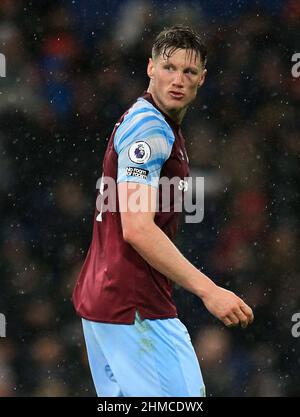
72, 68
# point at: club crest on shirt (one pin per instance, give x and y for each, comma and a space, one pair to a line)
139, 152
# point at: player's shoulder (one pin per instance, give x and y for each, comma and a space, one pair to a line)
143, 115
143, 121
143, 106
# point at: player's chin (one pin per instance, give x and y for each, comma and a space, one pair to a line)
179, 103
176, 105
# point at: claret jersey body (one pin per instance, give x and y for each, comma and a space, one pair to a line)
115, 282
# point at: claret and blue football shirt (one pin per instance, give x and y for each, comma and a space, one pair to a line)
115, 282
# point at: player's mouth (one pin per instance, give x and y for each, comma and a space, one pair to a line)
176, 94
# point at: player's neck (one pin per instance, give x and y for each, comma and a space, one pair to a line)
176, 115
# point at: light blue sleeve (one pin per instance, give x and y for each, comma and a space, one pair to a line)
143, 143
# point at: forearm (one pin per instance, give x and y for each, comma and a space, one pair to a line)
158, 250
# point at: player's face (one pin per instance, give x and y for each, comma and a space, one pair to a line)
175, 80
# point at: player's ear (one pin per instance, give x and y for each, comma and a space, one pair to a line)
202, 78
150, 68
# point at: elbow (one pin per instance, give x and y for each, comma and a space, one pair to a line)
134, 235
130, 235
135, 228
127, 234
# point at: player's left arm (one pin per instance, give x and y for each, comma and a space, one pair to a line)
143, 145
137, 208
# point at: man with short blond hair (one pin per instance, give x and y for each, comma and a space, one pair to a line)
136, 344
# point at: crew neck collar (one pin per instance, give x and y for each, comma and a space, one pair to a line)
148, 96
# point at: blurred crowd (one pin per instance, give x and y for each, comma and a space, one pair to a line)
71, 72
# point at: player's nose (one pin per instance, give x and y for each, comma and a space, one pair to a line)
178, 79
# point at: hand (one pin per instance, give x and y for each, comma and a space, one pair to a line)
228, 307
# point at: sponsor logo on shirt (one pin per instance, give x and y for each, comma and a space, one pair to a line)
139, 152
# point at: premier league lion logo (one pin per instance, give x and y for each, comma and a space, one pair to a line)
139, 151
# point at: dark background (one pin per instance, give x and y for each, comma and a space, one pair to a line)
73, 67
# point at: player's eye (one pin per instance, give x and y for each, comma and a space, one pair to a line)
169, 67
191, 71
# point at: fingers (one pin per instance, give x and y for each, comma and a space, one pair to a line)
243, 319
247, 311
228, 322
231, 320
243, 315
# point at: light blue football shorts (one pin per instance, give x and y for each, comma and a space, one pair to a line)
150, 358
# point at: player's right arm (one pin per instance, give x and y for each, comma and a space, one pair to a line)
143, 143
140, 231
